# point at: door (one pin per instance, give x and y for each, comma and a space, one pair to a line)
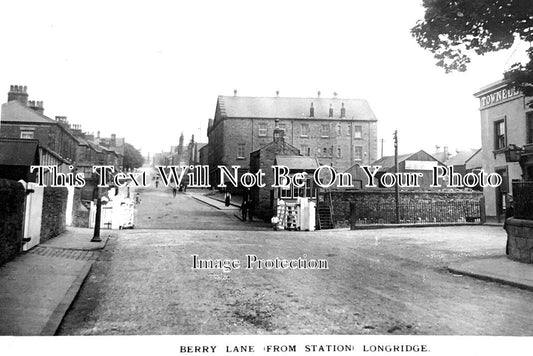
33, 215
501, 193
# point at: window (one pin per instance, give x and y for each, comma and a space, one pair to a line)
286, 192
305, 150
325, 130
262, 130
358, 132
339, 130
304, 130
529, 127
499, 135
358, 153
26, 134
240, 150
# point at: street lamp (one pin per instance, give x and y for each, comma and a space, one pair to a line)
97, 218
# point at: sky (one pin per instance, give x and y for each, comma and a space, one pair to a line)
149, 70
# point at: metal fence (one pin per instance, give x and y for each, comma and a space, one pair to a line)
422, 212
523, 200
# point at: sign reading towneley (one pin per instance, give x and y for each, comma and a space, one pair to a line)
498, 97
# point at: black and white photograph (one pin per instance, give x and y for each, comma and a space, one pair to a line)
266, 177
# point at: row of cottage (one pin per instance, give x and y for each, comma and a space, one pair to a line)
29, 138
305, 133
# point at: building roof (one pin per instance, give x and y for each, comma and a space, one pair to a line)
475, 161
16, 112
18, 152
293, 108
388, 161
461, 157
297, 162
502, 83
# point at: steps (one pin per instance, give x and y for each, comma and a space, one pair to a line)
324, 216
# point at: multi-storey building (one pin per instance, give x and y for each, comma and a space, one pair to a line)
25, 119
506, 122
338, 132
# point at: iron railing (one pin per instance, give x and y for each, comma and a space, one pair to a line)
523, 199
421, 212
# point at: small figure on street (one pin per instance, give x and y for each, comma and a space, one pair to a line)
184, 187
174, 191
137, 198
227, 198
244, 209
157, 182
250, 206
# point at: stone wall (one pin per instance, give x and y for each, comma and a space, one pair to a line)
373, 200
520, 240
80, 214
54, 212
12, 196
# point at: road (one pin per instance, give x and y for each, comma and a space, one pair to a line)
389, 281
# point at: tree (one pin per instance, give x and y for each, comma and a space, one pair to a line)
453, 29
132, 157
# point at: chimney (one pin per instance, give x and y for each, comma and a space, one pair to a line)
278, 133
277, 93
113, 140
76, 130
18, 93
335, 94
36, 106
437, 148
330, 110
343, 111
311, 111
235, 92
318, 93
98, 134
446, 154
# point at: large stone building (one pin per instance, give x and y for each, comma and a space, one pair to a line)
337, 132
506, 120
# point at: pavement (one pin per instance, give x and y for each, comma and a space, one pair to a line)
497, 269
38, 286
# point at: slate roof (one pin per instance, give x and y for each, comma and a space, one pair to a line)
461, 157
293, 108
18, 152
475, 161
14, 111
388, 161
297, 162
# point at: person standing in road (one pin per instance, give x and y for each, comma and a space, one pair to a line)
174, 191
244, 209
227, 198
250, 206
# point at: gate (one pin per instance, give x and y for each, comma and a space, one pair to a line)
32, 215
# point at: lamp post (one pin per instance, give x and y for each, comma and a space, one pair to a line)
396, 169
96, 236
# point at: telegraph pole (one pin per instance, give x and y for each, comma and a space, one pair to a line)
396, 186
